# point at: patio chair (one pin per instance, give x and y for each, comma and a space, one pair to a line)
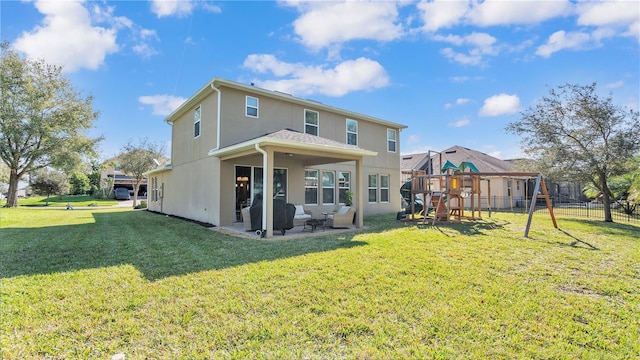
341, 219
301, 216
246, 218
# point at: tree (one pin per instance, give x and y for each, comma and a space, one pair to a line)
4, 177
43, 120
48, 183
79, 182
95, 178
573, 134
136, 159
634, 189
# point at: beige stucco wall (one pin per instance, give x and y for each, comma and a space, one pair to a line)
190, 190
185, 147
499, 193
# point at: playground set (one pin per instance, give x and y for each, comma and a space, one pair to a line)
455, 194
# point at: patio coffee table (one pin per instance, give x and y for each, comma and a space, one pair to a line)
314, 223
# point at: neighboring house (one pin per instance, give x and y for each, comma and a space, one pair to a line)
24, 192
505, 191
228, 135
111, 170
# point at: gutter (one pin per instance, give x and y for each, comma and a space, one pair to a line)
217, 115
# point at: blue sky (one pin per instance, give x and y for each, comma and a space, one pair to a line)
454, 72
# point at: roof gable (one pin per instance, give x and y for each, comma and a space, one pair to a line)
456, 155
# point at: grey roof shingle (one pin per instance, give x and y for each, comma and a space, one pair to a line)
456, 155
296, 136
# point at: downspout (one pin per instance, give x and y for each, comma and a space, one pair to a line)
264, 180
217, 116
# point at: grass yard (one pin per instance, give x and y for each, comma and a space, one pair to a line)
93, 283
62, 201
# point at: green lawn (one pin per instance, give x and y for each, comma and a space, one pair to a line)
93, 283
62, 201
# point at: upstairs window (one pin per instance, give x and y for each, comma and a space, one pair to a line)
391, 140
196, 122
352, 132
252, 107
311, 122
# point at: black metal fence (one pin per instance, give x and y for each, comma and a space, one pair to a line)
563, 207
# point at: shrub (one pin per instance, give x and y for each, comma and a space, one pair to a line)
141, 205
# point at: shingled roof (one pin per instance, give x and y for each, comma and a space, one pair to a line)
302, 138
456, 155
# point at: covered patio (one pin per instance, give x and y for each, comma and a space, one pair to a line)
299, 151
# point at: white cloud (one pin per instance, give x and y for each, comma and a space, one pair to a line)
162, 104
265, 63
459, 101
490, 13
348, 76
460, 123
329, 24
143, 47
210, 7
481, 44
561, 40
442, 14
461, 58
67, 37
502, 104
437, 15
615, 85
612, 15
616, 13
179, 8
610, 19
463, 79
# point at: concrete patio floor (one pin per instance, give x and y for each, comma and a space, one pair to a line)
237, 229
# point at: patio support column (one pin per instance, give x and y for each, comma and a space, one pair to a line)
359, 194
267, 195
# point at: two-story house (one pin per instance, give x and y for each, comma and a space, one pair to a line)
228, 136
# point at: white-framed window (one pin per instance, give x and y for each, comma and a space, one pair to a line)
391, 140
384, 188
373, 188
154, 189
344, 184
252, 107
328, 187
311, 122
197, 115
352, 132
311, 187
